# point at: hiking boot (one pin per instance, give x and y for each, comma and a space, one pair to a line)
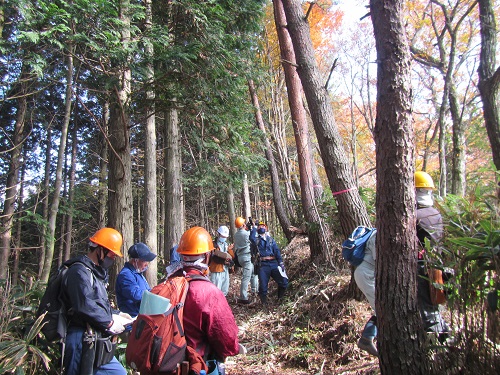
244, 301
368, 346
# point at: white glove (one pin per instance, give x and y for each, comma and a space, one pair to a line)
125, 315
123, 318
116, 328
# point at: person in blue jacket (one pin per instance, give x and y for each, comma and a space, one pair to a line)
131, 283
271, 262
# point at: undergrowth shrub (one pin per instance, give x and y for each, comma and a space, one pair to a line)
471, 248
22, 349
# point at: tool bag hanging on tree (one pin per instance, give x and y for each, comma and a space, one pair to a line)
157, 343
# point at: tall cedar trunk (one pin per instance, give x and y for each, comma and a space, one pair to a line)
150, 197
71, 194
45, 199
279, 136
400, 335
247, 210
352, 210
174, 197
273, 170
103, 167
20, 205
54, 207
316, 229
230, 205
7, 216
120, 198
489, 78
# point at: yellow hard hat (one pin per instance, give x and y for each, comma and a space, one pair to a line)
423, 180
110, 239
194, 241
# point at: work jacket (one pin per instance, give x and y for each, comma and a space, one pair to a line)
219, 247
130, 285
209, 323
429, 225
85, 294
266, 245
242, 242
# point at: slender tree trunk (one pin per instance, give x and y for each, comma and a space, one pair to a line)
459, 146
316, 228
139, 214
7, 217
489, 78
54, 207
103, 168
246, 198
174, 197
278, 201
45, 200
18, 242
400, 335
230, 205
352, 210
120, 197
150, 197
71, 195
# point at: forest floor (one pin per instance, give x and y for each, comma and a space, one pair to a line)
313, 332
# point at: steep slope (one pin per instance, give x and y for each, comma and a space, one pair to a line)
313, 332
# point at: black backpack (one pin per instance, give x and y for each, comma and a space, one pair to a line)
55, 321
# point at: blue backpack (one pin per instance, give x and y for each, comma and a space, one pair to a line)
353, 249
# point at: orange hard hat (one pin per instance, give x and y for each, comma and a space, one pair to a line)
239, 222
110, 239
194, 241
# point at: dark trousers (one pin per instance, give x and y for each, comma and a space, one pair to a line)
268, 270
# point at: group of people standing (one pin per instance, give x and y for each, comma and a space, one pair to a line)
258, 255
89, 307
85, 296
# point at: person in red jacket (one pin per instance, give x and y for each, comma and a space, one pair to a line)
209, 324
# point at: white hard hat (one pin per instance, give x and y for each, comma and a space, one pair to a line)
223, 231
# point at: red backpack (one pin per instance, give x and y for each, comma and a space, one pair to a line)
157, 344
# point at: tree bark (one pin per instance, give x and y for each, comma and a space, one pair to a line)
54, 207
103, 167
174, 197
230, 205
11, 185
352, 210
273, 170
71, 194
150, 197
20, 204
400, 335
489, 77
316, 228
120, 198
246, 198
